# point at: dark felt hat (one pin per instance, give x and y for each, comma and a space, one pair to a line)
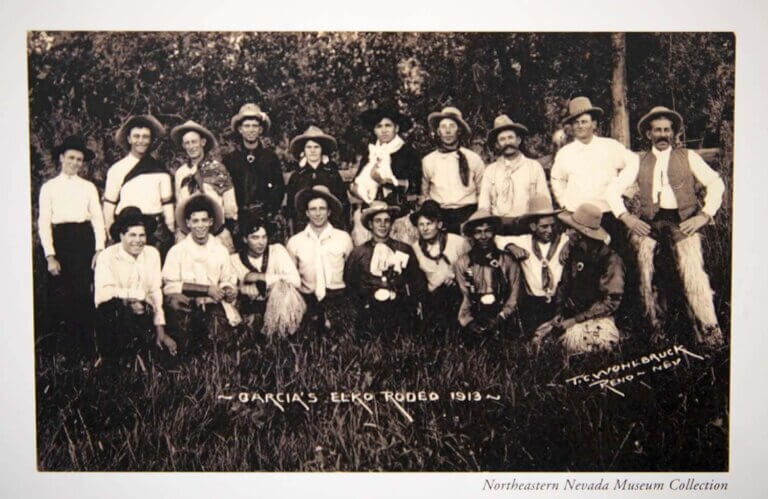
73, 142
129, 217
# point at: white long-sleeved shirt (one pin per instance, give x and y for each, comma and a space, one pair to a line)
69, 199
582, 172
662, 190
441, 180
334, 246
508, 186
152, 193
189, 262
280, 266
120, 275
532, 265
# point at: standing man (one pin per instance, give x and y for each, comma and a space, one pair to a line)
591, 288
128, 290
437, 251
384, 276
319, 252
541, 258
200, 285
202, 173
255, 170
141, 180
510, 182
584, 169
452, 174
489, 279
71, 231
670, 216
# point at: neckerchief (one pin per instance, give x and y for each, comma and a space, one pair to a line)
547, 280
463, 164
490, 258
443, 241
211, 172
260, 285
147, 164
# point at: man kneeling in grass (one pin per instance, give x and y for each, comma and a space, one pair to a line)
268, 278
127, 290
591, 288
199, 282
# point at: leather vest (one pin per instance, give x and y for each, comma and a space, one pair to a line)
681, 180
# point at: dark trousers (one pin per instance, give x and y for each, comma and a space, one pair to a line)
454, 217
630, 311
120, 332
318, 311
198, 327
534, 311
384, 318
440, 309
70, 300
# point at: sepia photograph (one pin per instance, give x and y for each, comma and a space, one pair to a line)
396, 251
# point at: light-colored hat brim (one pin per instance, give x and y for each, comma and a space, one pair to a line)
218, 214
599, 234
517, 127
667, 113
539, 214
590, 110
470, 224
177, 134
262, 117
296, 146
158, 131
434, 119
368, 213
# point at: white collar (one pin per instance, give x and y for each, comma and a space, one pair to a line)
325, 233
661, 154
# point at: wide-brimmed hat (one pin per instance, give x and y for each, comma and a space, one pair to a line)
371, 117
73, 142
658, 112
478, 218
429, 209
539, 206
580, 105
448, 112
586, 219
375, 208
315, 134
504, 122
177, 134
141, 121
304, 196
129, 217
204, 200
252, 111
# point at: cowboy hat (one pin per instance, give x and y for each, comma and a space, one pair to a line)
448, 112
375, 208
304, 196
315, 134
252, 111
501, 123
430, 209
657, 112
586, 219
140, 121
478, 218
372, 117
131, 216
539, 206
73, 142
580, 105
203, 202
178, 132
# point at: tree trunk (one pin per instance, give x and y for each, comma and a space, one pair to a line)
620, 122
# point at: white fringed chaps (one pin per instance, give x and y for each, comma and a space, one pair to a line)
645, 247
284, 311
695, 280
594, 335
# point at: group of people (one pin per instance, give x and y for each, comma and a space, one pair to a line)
434, 243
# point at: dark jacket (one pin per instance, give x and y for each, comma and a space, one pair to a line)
257, 183
406, 165
326, 174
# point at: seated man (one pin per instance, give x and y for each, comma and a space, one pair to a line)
541, 255
268, 279
319, 252
383, 275
436, 251
591, 289
489, 279
199, 282
127, 290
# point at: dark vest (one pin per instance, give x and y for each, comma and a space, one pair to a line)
681, 180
